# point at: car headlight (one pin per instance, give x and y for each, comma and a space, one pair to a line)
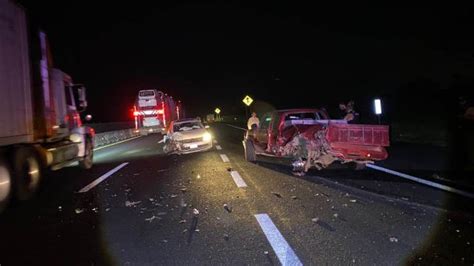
207, 137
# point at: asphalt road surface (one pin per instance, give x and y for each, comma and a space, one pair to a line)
140, 207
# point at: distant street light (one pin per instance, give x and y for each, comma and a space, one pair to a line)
217, 111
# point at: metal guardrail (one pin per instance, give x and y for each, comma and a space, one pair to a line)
109, 137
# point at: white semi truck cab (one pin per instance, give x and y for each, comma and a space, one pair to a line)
40, 106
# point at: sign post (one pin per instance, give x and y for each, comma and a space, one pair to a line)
247, 101
218, 111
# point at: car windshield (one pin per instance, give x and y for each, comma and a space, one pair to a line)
187, 126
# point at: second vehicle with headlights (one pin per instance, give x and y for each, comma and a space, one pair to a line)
187, 136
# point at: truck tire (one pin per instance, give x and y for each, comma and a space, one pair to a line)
27, 173
88, 160
5, 184
249, 149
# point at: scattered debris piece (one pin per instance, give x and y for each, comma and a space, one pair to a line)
404, 198
335, 215
458, 231
353, 200
227, 208
128, 190
265, 252
315, 220
197, 230
161, 213
114, 195
107, 209
229, 169
132, 203
393, 239
151, 199
226, 237
345, 205
185, 230
96, 210
183, 190
294, 197
182, 221
173, 196
195, 212
198, 176
165, 241
151, 218
78, 211
277, 194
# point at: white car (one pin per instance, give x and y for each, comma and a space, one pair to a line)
187, 136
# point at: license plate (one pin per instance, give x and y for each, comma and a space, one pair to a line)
193, 146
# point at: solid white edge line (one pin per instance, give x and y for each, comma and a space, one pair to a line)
241, 128
218, 147
423, 181
224, 158
282, 249
238, 179
102, 178
109, 145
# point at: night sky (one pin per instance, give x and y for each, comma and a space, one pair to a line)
213, 53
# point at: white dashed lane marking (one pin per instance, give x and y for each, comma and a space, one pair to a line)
224, 158
238, 179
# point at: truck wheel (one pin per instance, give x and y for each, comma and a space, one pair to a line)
249, 149
5, 184
27, 171
88, 160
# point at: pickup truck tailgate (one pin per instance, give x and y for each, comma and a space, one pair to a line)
370, 135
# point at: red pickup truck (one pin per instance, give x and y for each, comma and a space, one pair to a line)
311, 139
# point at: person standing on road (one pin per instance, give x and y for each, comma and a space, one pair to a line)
253, 120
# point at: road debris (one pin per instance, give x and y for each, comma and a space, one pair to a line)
294, 197
78, 211
128, 190
277, 194
393, 239
183, 190
182, 221
152, 218
458, 231
315, 220
335, 215
173, 196
165, 241
198, 176
161, 213
195, 212
107, 209
265, 252
183, 204
353, 200
114, 195
229, 169
151, 199
96, 210
227, 208
185, 230
197, 230
345, 205
132, 203
226, 237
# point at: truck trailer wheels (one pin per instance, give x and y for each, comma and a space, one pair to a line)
27, 172
5, 184
88, 160
249, 149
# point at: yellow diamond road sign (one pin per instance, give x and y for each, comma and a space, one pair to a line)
248, 100
217, 110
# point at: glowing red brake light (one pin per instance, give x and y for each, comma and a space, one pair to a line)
136, 113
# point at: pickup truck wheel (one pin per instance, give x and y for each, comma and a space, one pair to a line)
5, 184
249, 149
88, 160
27, 173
